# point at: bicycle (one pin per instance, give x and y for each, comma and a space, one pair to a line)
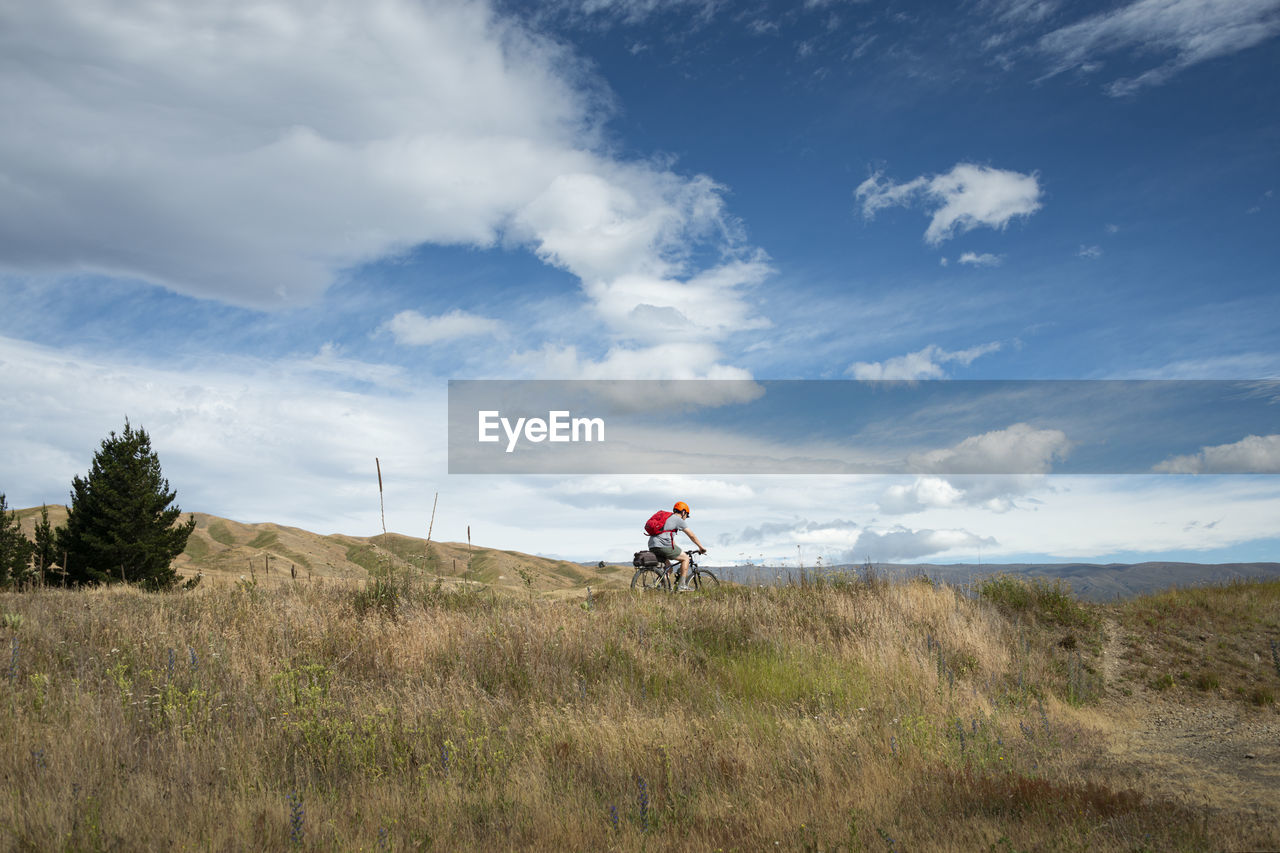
654, 577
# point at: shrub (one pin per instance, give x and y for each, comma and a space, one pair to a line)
1051, 601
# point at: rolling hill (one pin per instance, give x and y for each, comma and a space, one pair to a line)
223, 550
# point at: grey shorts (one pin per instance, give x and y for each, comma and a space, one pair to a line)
665, 553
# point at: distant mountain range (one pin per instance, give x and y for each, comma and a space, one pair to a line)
1090, 581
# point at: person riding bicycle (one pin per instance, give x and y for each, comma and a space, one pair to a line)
664, 544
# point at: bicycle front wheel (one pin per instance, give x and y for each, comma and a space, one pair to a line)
649, 580
704, 579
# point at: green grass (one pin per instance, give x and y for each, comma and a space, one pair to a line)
197, 548
1050, 601
265, 540
219, 532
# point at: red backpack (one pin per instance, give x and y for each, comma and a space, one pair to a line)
656, 522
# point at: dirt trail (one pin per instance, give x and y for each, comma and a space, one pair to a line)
1206, 750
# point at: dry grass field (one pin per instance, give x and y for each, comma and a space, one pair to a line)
401, 715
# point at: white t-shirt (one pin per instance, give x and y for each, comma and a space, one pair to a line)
667, 538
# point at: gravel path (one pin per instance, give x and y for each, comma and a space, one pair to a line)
1204, 749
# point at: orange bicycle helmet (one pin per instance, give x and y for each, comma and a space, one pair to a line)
680, 506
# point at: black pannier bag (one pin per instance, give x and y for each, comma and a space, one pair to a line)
645, 558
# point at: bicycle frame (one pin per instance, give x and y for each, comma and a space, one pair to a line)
665, 576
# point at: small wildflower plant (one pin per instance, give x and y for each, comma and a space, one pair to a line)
297, 814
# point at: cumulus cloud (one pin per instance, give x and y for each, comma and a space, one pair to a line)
923, 364
414, 329
925, 492
967, 197
250, 151
903, 543
854, 543
1017, 449
1186, 31
245, 152
983, 260
1253, 454
992, 493
641, 307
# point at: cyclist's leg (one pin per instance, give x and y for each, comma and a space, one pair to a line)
682, 575
673, 553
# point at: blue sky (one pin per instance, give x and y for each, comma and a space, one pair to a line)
271, 232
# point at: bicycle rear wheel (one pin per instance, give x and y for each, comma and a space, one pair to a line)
650, 580
703, 578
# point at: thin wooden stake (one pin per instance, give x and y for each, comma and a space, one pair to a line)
381, 506
426, 548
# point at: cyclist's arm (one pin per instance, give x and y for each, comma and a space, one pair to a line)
689, 533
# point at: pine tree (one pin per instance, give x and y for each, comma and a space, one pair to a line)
45, 553
120, 526
15, 550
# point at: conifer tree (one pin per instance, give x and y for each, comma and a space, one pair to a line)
45, 553
120, 526
15, 550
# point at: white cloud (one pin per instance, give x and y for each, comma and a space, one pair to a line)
1090, 252
1017, 449
850, 541
1085, 517
246, 151
983, 260
993, 493
254, 440
414, 329
903, 543
713, 303
330, 361
965, 198
249, 151
776, 533
923, 364
925, 492
1253, 454
674, 360
1193, 31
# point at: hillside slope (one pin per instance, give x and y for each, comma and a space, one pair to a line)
223, 550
